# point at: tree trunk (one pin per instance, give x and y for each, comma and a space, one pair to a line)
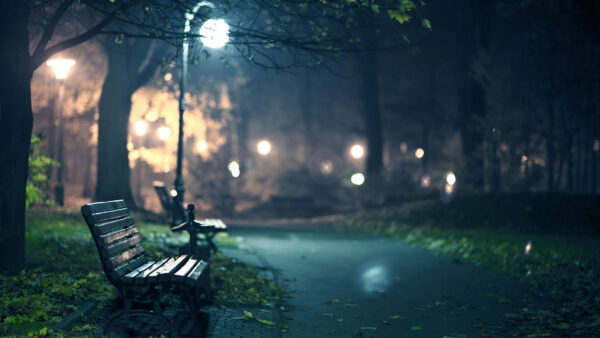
129, 67
369, 83
113, 173
16, 123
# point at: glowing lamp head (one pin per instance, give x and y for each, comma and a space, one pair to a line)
450, 178
164, 133
215, 33
419, 153
357, 179
528, 247
357, 151
201, 146
263, 147
234, 168
61, 67
425, 181
140, 127
173, 193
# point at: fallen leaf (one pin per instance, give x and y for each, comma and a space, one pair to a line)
416, 328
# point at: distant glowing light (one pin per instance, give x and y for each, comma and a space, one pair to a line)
141, 127
528, 247
596, 145
326, 167
130, 146
448, 189
173, 193
357, 179
168, 77
166, 169
403, 147
357, 151
263, 147
425, 181
451, 178
201, 146
419, 153
164, 133
234, 168
215, 33
523, 158
151, 116
61, 67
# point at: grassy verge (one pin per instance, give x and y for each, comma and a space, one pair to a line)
564, 269
63, 271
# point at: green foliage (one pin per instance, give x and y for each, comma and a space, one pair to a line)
39, 164
63, 271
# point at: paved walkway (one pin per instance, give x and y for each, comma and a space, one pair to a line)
348, 284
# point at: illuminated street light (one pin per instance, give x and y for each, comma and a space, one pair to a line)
141, 127
357, 151
357, 179
173, 193
212, 33
450, 178
201, 146
61, 69
419, 153
263, 147
164, 133
215, 33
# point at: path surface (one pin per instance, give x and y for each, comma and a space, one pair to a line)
348, 284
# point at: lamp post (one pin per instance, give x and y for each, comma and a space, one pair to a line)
215, 34
61, 69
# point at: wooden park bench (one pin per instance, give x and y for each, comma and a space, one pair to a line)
209, 227
142, 282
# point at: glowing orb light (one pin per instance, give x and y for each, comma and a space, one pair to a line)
263, 147
419, 153
164, 133
357, 179
141, 127
326, 167
357, 151
234, 168
215, 33
201, 146
425, 181
451, 178
173, 193
528, 247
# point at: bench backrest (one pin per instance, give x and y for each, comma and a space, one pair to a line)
116, 238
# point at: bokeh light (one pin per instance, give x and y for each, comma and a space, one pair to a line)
326, 167
419, 153
140, 127
201, 145
215, 33
173, 193
450, 178
357, 178
234, 168
357, 151
263, 147
527, 247
425, 181
403, 147
164, 133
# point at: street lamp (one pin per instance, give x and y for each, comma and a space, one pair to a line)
263, 147
212, 33
61, 69
357, 151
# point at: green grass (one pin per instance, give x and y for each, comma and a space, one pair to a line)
63, 271
561, 267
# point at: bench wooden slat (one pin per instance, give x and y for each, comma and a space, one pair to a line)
141, 277
172, 264
117, 273
168, 272
124, 257
184, 270
110, 238
129, 277
114, 249
111, 226
194, 275
96, 207
107, 215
